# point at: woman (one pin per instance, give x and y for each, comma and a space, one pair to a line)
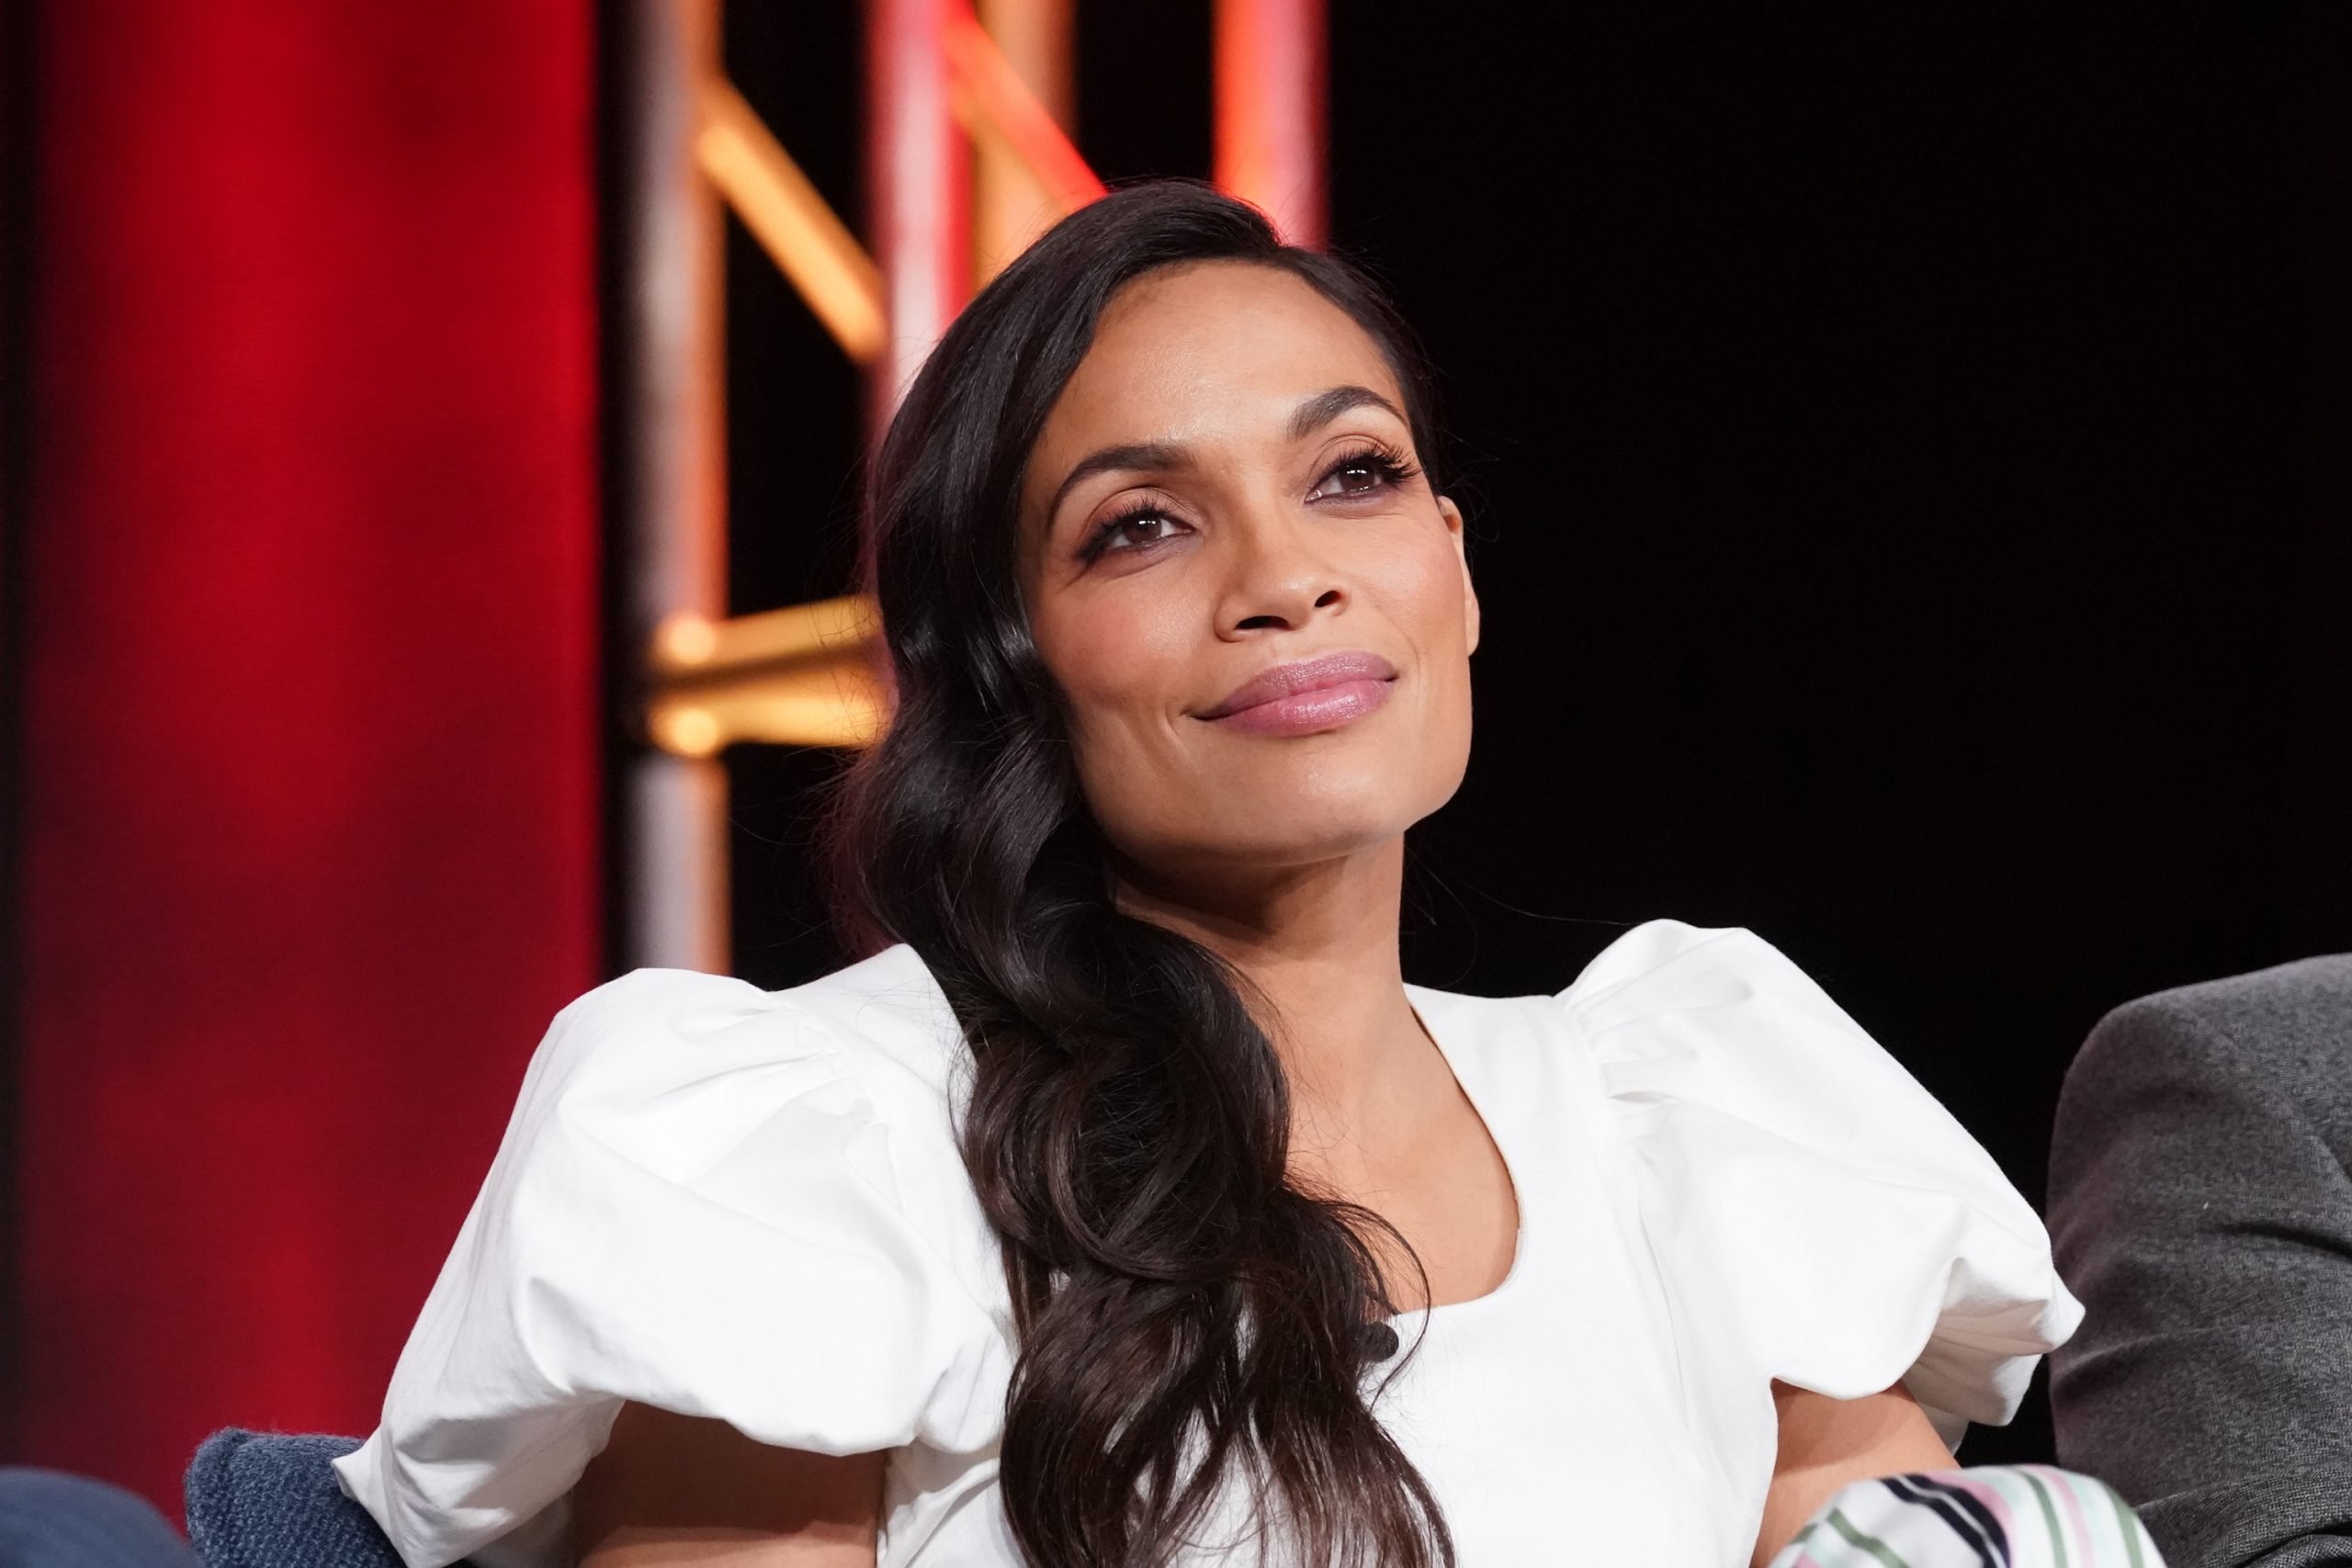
1132, 1210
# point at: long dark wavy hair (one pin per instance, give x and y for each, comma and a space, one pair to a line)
1187, 1318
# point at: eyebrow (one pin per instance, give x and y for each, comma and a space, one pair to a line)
1323, 407
1154, 455
1164, 456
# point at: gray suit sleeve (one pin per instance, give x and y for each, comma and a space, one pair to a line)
2203, 1217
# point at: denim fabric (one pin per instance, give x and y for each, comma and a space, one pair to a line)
263, 1500
51, 1520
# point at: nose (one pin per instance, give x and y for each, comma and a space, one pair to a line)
1279, 583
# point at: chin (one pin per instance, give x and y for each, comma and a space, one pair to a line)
1305, 828
1294, 806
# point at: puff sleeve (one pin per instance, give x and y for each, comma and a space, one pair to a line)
698, 1206
1814, 1215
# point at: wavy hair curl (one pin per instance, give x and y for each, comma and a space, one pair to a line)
1188, 1319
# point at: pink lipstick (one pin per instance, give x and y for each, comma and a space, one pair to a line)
1307, 697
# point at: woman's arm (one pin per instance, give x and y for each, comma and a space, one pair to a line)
1825, 1443
671, 1491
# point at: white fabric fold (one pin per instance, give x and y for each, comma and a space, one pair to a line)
696, 1207
751, 1207
1817, 1216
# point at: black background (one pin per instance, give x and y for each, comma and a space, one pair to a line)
1903, 448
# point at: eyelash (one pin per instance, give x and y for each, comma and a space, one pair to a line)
1393, 468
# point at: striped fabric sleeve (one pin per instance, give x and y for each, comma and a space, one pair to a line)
1992, 1516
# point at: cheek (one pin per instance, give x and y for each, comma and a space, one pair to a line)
1120, 660
1417, 581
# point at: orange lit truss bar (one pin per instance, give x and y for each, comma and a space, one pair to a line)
969, 159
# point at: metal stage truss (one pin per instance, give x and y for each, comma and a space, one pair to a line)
968, 119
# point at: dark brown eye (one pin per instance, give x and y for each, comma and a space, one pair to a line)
1359, 476
1141, 529
1144, 528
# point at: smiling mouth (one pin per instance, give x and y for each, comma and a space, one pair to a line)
1308, 697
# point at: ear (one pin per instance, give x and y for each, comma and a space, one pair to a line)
1453, 516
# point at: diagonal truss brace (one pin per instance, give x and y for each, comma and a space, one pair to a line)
804, 675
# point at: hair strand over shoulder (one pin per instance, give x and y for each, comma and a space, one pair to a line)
1190, 1322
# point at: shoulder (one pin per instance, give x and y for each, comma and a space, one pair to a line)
2277, 1026
888, 1004
709, 1092
2312, 994
1723, 1014
1670, 963
1656, 963
1711, 1042
2254, 1065
1817, 1216
1676, 1012
715, 1200
1707, 1049
881, 1025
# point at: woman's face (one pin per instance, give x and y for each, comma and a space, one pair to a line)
1256, 609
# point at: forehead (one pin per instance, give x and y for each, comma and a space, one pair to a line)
1191, 351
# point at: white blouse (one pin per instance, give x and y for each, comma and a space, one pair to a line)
749, 1205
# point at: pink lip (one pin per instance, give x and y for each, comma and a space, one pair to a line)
1308, 697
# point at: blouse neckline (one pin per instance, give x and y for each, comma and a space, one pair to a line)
1512, 1168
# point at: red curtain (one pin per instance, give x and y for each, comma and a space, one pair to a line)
310, 812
